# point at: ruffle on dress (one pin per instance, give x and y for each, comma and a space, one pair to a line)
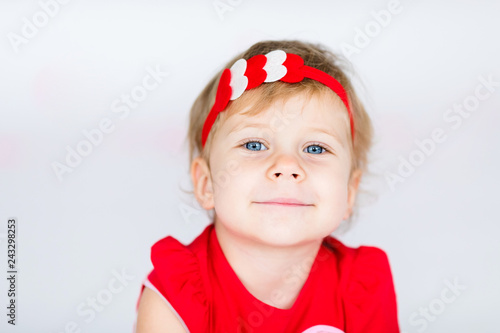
177, 275
369, 300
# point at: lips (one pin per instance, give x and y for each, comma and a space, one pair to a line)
284, 201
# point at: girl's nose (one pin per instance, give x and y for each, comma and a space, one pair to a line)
286, 167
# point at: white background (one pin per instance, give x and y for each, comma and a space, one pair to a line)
439, 224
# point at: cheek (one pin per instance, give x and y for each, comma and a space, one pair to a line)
233, 182
333, 190
224, 171
233, 193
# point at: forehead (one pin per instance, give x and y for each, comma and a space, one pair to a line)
322, 111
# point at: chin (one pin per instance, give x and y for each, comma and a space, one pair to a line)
281, 234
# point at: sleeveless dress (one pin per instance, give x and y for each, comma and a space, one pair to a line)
348, 290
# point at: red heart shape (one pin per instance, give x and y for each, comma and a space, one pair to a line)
223, 91
255, 71
293, 64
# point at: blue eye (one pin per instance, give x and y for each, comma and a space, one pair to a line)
316, 149
253, 144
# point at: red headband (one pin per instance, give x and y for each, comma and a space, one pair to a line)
274, 66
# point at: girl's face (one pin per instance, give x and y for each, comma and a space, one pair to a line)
296, 150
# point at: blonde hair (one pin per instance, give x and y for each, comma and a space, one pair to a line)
314, 55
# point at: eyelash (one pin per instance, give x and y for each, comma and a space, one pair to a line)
312, 144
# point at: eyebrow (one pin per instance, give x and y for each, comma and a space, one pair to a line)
242, 126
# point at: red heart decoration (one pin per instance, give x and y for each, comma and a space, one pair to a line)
223, 91
255, 72
293, 64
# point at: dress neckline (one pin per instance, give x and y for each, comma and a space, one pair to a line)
222, 263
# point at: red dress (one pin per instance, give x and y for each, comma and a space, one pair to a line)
348, 290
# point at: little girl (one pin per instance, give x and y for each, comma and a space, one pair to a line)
280, 141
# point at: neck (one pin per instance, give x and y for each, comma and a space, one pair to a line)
274, 275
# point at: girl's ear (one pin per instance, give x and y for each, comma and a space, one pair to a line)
202, 182
352, 191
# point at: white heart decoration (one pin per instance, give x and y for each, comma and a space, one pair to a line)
274, 65
239, 82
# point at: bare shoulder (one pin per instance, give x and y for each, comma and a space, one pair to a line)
155, 316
